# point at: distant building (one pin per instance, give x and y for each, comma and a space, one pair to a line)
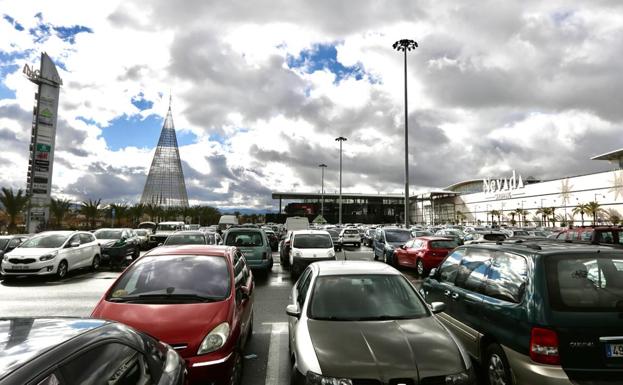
165, 185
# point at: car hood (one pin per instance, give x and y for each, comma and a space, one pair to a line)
29, 252
383, 350
163, 321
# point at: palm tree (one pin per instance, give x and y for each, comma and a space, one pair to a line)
613, 216
594, 209
135, 213
544, 212
13, 204
552, 212
91, 210
521, 215
153, 211
59, 209
495, 213
121, 212
581, 208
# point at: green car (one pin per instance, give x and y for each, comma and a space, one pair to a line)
535, 312
254, 244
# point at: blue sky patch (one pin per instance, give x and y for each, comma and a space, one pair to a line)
324, 56
13, 22
141, 103
43, 31
134, 131
68, 34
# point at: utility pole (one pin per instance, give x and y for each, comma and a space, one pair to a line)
340, 139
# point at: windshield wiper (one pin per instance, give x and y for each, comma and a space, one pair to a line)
386, 317
140, 297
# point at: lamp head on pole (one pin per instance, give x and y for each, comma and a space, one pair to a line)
341, 139
322, 165
405, 45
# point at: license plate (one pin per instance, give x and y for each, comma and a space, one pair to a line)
20, 267
614, 350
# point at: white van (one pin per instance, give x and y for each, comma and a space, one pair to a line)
297, 223
226, 221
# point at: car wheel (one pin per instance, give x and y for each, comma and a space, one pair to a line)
419, 268
95, 265
250, 331
137, 253
357, 245
270, 265
497, 369
236, 371
61, 270
296, 378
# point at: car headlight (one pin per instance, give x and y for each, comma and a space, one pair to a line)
215, 339
317, 379
6, 258
463, 378
47, 257
331, 253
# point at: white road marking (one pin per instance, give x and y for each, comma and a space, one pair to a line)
278, 329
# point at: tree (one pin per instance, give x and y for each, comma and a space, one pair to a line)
543, 212
135, 213
121, 213
91, 210
594, 209
59, 209
495, 213
153, 211
13, 204
521, 215
581, 208
613, 216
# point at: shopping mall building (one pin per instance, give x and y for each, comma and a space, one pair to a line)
473, 201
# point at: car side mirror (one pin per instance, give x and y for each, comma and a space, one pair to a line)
293, 311
74, 244
437, 307
433, 272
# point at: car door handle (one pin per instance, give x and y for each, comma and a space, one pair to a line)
454, 296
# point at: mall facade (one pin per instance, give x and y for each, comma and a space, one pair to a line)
511, 199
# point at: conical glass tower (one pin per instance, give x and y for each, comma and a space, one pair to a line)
165, 185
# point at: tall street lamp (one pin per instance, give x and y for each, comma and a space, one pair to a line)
340, 139
406, 45
322, 167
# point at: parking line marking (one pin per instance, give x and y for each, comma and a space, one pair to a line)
274, 349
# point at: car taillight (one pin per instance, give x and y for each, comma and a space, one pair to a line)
544, 346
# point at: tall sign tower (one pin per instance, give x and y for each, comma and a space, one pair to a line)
42, 140
165, 185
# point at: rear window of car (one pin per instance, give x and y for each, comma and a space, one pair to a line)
590, 283
175, 275
494, 237
443, 244
185, 239
351, 232
312, 241
244, 238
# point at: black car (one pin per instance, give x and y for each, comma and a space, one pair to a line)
9, 242
55, 351
335, 236
117, 245
187, 237
272, 239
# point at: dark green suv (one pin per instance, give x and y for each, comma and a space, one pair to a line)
535, 313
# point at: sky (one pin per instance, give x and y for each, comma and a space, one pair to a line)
260, 90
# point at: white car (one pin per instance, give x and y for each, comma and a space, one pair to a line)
308, 246
52, 253
350, 236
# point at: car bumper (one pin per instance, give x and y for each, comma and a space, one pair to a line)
259, 263
213, 368
35, 268
350, 241
527, 372
304, 262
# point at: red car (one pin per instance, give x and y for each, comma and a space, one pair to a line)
196, 298
423, 253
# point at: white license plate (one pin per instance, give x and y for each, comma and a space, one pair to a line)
20, 267
614, 350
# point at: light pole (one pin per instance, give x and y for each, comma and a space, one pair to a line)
340, 139
322, 167
406, 45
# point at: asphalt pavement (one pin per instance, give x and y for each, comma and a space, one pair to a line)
266, 355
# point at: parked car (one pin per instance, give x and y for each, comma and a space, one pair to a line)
284, 250
350, 236
455, 234
165, 293
535, 313
150, 226
163, 230
335, 237
117, 245
594, 234
423, 253
387, 240
420, 233
368, 237
272, 239
52, 253
9, 242
360, 322
308, 246
187, 237
142, 236
254, 245
55, 351
485, 236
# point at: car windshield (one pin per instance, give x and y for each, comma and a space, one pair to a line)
585, 283
185, 239
108, 234
244, 238
443, 244
398, 235
521, 233
174, 278
3, 243
47, 241
312, 241
364, 297
167, 228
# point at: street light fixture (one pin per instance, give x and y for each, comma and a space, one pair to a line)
406, 45
322, 167
340, 139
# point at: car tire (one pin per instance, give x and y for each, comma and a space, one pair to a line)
61, 270
497, 370
357, 245
294, 271
235, 377
296, 378
270, 265
420, 269
95, 264
136, 254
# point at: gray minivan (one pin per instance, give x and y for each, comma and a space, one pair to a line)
253, 243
